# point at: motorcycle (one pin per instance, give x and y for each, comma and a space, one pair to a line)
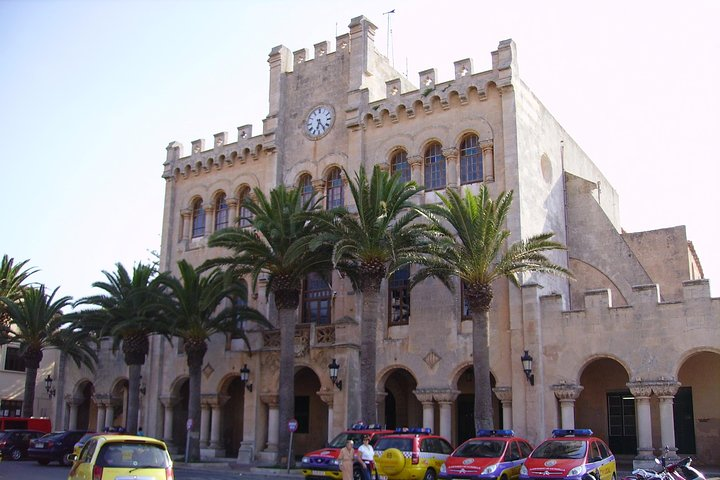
680, 470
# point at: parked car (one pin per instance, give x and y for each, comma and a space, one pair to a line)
25, 423
108, 457
54, 447
492, 454
14, 443
324, 462
570, 454
411, 454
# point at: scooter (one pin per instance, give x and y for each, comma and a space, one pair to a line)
680, 470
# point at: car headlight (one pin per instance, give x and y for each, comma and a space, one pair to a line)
577, 471
305, 460
335, 461
442, 468
489, 469
523, 470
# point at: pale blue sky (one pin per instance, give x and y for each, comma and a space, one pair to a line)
91, 93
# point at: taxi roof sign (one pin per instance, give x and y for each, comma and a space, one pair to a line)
495, 433
577, 432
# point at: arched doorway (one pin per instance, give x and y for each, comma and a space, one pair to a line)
465, 406
115, 416
310, 411
180, 415
87, 409
402, 408
232, 416
606, 406
696, 405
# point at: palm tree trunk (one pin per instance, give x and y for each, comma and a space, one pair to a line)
133, 407
287, 377
368, 354
194, 361
481, 369
29, 395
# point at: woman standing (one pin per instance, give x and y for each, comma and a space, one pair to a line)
347, 458
367, 454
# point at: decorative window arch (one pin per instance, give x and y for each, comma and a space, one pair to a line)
471, 161
245, 216
317, 299
399, 164
434, 167
198, 218
306, 188
334, 189
221, 212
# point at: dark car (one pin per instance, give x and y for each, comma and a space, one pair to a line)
14, 443
54, 446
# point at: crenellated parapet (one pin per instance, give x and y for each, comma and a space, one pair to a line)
220, 154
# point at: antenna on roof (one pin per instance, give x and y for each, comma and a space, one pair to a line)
389, 34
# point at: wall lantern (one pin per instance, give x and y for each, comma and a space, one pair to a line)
245, 377
334, 367
49, 386
527, 362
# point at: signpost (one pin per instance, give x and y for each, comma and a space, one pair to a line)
292, 426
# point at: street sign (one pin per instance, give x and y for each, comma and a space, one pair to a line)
292, 425
189, 424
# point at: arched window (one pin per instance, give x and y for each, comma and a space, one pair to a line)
470, 160
306, 188
198, 219
221, 212
334, 189
317, 295
399, 164
434, 167
246, 216
399, 297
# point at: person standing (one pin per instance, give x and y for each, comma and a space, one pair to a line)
367, 456
347, 458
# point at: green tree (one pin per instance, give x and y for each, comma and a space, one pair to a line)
199, 307
278, 245
12, 279
476, 252
382, 237
37, 323
128, 313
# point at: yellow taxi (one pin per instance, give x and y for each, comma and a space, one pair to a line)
107, 457
569, 455
411, 454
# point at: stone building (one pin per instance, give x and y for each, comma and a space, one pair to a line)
631, 348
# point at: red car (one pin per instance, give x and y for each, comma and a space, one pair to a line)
492, 454
323, 463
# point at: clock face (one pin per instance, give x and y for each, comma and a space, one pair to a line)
319, 121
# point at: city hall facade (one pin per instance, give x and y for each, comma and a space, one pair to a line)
630, 348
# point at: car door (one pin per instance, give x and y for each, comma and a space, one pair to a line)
83, 466
513, 459
595, 461
608, 468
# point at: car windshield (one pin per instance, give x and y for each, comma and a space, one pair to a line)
53, 436
132, 455
402, 444
5, 435
341, 439
83, 440
561, 449
481, 449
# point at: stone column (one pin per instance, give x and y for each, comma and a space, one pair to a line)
328, 396
209, 219
504, 394
168, 402
204, 423
319, 186
567, 393
452, 167
73, 402
666, 390
426, 398
416, 175
488, 161
216, 405
445, 399
100, 419
186, 215
233, 210
642, 391
272, 402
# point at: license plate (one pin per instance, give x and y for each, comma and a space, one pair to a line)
39, 445
382, 477
318, 473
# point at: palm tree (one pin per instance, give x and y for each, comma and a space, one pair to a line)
478, 256
278, 245
194, 305
36, 324
384, 236
12, 278
128, 313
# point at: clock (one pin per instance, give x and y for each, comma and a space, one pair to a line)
319, 122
